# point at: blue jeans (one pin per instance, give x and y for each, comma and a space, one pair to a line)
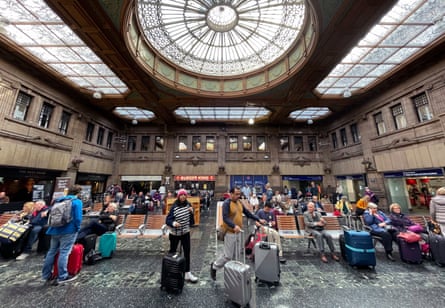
32, 238
63, 244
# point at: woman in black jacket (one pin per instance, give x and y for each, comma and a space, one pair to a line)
179, 219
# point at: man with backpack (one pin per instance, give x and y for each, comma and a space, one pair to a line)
64, 221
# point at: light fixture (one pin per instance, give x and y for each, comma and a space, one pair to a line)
310, 122
97, 95
193, 121
251, 121
347, 93
134, 122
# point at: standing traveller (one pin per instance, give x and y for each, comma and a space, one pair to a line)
233, 211
63, 239
179, 219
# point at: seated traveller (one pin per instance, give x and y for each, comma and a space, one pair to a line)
380, 225
402, 223
25, 214
361, 205
272, 234
315, 226
343, 206
106, 222
38, 219
318, 205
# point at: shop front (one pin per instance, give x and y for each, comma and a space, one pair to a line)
196, 185
136, 183
25, 184
94, 183
255, 182
413, 189
353, 186
301, 182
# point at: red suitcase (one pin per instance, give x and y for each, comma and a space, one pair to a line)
75, 261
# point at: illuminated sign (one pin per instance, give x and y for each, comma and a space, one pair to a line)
194, 178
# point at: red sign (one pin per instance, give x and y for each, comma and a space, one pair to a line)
194, 178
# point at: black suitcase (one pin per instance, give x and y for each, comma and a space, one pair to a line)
410, 252
437, 248
44, 241
90, 255
10, 248
173, 272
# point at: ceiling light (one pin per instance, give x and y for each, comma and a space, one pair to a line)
134, 122
347, 93
310, 121
251, 121
97, 95
193, 121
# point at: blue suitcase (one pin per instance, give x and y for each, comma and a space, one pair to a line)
107, 244
359, 248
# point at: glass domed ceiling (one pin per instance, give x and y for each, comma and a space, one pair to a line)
220, 37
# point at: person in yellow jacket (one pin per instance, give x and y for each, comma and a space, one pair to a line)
362, 205
343, 206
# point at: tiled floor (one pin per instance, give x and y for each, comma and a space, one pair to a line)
132, 279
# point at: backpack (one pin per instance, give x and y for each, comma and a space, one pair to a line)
61, 213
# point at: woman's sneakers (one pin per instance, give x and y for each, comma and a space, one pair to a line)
189, 277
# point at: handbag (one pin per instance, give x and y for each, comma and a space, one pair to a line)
415, 228
434, 227
409, 237
12, 231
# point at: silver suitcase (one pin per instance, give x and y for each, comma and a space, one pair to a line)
267, 263
237, 281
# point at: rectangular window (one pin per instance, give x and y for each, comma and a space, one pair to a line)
398, 116
145, 142
298, 143
109, 140
284, 143
182, 143
354, 133
261, 143
45, 115
64, 122
233, 143
247, 143
21, 106
90, 132
422, 107
343, 137
196, 143
100, 136
312, 143
334, 140
159, 144
380, 125
131, 143
210, 143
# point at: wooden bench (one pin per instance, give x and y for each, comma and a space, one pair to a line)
287, 228
333, 226
419, 219
132, 226
5, 217
328, 207
155, 227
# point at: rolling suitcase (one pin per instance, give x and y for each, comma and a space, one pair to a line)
359, 248
13, 239
237, 282
89, 248
437, 248
267, 263
75, 261
410, 252
173, 271
107, 244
